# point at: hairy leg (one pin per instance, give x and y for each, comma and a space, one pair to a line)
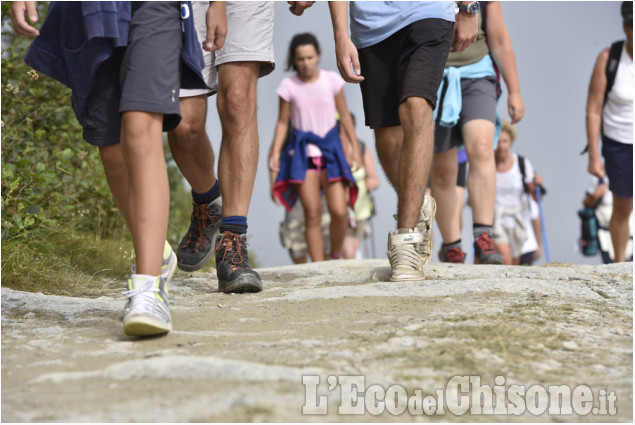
481, 178
238, 159
148, 193
190, 146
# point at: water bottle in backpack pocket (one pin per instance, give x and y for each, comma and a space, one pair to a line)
589, 243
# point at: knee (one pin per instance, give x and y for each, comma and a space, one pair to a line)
313, 217
112, 159
444, 175
481, 150
235, 104
338, 213
186, 134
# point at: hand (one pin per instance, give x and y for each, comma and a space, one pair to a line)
538, 253
515, 107
347, 55
216, 20
465, 31
537, 180
18, 10
274, 163
298, 7
596, 167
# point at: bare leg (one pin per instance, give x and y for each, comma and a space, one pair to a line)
238, 160
336, 201
619, 226
506, 252
350, 247
117, 177
190, 146
309, 192
481, 180
149, 193
443, 182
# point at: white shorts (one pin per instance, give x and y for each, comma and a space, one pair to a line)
249, 39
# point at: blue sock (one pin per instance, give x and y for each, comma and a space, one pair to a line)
207, 197
235, 224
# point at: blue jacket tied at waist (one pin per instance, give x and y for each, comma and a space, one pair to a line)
293, 165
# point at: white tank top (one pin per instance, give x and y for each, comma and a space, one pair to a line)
618, 112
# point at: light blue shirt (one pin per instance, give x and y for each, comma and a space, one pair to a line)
374, 21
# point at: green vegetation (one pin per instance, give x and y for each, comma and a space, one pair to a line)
61, 230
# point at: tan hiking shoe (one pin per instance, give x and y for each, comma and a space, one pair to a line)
405, 261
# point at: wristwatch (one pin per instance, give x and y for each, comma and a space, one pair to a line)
471, 8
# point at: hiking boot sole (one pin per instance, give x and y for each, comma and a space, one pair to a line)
242, 284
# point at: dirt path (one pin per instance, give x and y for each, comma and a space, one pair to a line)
242, 357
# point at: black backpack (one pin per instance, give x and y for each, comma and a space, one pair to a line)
521, 165
611, 71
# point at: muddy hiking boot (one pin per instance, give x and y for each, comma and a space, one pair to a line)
232, 265
485, 250
196, 246
452, 254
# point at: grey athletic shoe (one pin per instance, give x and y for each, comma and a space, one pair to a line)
196, 246
485, 249
147, 310
232, 265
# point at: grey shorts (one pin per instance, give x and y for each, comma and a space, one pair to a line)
249, 39
144, 76
479, 102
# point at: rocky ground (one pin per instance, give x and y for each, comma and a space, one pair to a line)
245, 357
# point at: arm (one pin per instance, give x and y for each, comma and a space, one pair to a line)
465, 30
279, 136
298, 7
349, 128
345, 50
18, 10
372, 179
592, 199
216, 20
500, 44
594, 105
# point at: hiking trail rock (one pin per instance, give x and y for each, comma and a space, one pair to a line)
242, 357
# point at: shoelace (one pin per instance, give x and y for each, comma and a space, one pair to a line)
143, 303
401, 254
201, 215
486, 243
455, 255
234, 245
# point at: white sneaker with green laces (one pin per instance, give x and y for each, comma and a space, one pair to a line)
168, 267
147, 310
403, 254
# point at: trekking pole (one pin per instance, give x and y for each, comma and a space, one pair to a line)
542, 225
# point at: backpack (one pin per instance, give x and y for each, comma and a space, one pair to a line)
611, 71
589, 243
521, 165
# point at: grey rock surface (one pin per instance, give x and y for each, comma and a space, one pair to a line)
243, 357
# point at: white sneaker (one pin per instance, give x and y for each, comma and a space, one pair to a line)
405, 260
424, 225
147, 310
168, 266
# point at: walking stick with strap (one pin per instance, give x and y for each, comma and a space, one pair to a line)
542, 224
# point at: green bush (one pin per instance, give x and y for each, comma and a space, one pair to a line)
56, 204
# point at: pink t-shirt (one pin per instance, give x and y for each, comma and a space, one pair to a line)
312, 104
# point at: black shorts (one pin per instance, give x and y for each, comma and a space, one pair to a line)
462, 174
478, 100
618, 163
409, 63
144, 76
